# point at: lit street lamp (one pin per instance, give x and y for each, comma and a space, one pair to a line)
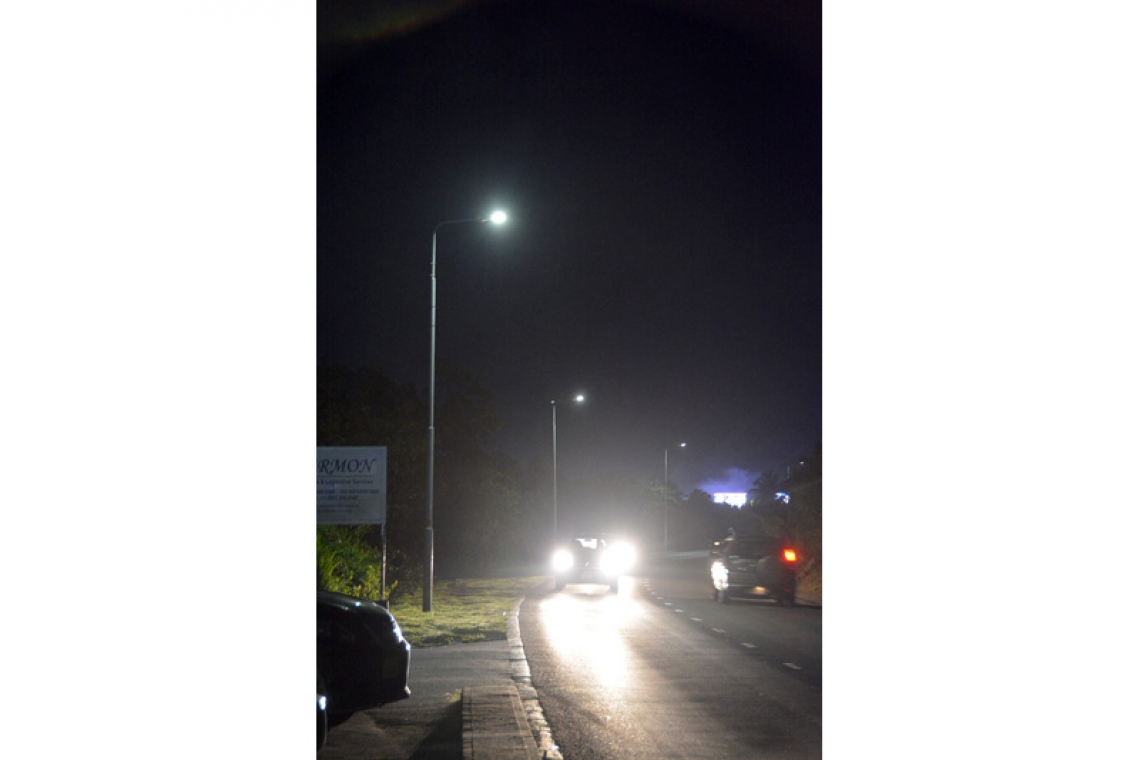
666, 494
498, 217
580, 398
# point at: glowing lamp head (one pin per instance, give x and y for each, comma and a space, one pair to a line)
790, 555
498, 217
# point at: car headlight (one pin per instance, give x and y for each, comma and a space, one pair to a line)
563, 560
618, 558
719, 572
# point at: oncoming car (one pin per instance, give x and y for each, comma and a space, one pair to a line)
763, 568
362, 656
592, 559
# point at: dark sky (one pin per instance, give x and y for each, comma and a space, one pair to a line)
661, 168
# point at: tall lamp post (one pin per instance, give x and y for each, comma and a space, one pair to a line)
580, 398
497, 217
666, 494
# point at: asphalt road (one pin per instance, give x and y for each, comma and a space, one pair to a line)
660, 670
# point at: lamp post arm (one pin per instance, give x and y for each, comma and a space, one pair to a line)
441, 225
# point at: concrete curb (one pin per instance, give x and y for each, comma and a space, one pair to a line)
506, 722
520, 672
809, 598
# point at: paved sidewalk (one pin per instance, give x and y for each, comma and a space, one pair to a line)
469, 702
495, 725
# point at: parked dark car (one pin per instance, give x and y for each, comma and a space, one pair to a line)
362, 657
592, 559
763, 568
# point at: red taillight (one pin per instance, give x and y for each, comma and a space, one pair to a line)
789, 555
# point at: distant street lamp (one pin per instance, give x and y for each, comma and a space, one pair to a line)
498, 217
666, 494
580, 398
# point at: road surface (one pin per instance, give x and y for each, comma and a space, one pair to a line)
661, 670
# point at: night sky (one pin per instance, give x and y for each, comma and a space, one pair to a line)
661, 168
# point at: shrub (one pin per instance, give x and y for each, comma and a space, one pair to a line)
348, 563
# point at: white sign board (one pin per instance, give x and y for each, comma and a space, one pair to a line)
352, 485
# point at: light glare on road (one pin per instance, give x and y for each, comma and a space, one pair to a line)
585, 632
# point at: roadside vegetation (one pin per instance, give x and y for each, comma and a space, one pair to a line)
492, 511
462, 611
348, 563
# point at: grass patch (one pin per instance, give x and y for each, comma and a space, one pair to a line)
463, 610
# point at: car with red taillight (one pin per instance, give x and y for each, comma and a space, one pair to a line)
756, 567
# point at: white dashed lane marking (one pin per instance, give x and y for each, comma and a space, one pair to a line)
721, 631
745, 644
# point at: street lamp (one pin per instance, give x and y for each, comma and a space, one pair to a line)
498, 217
580, 398
665, 494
